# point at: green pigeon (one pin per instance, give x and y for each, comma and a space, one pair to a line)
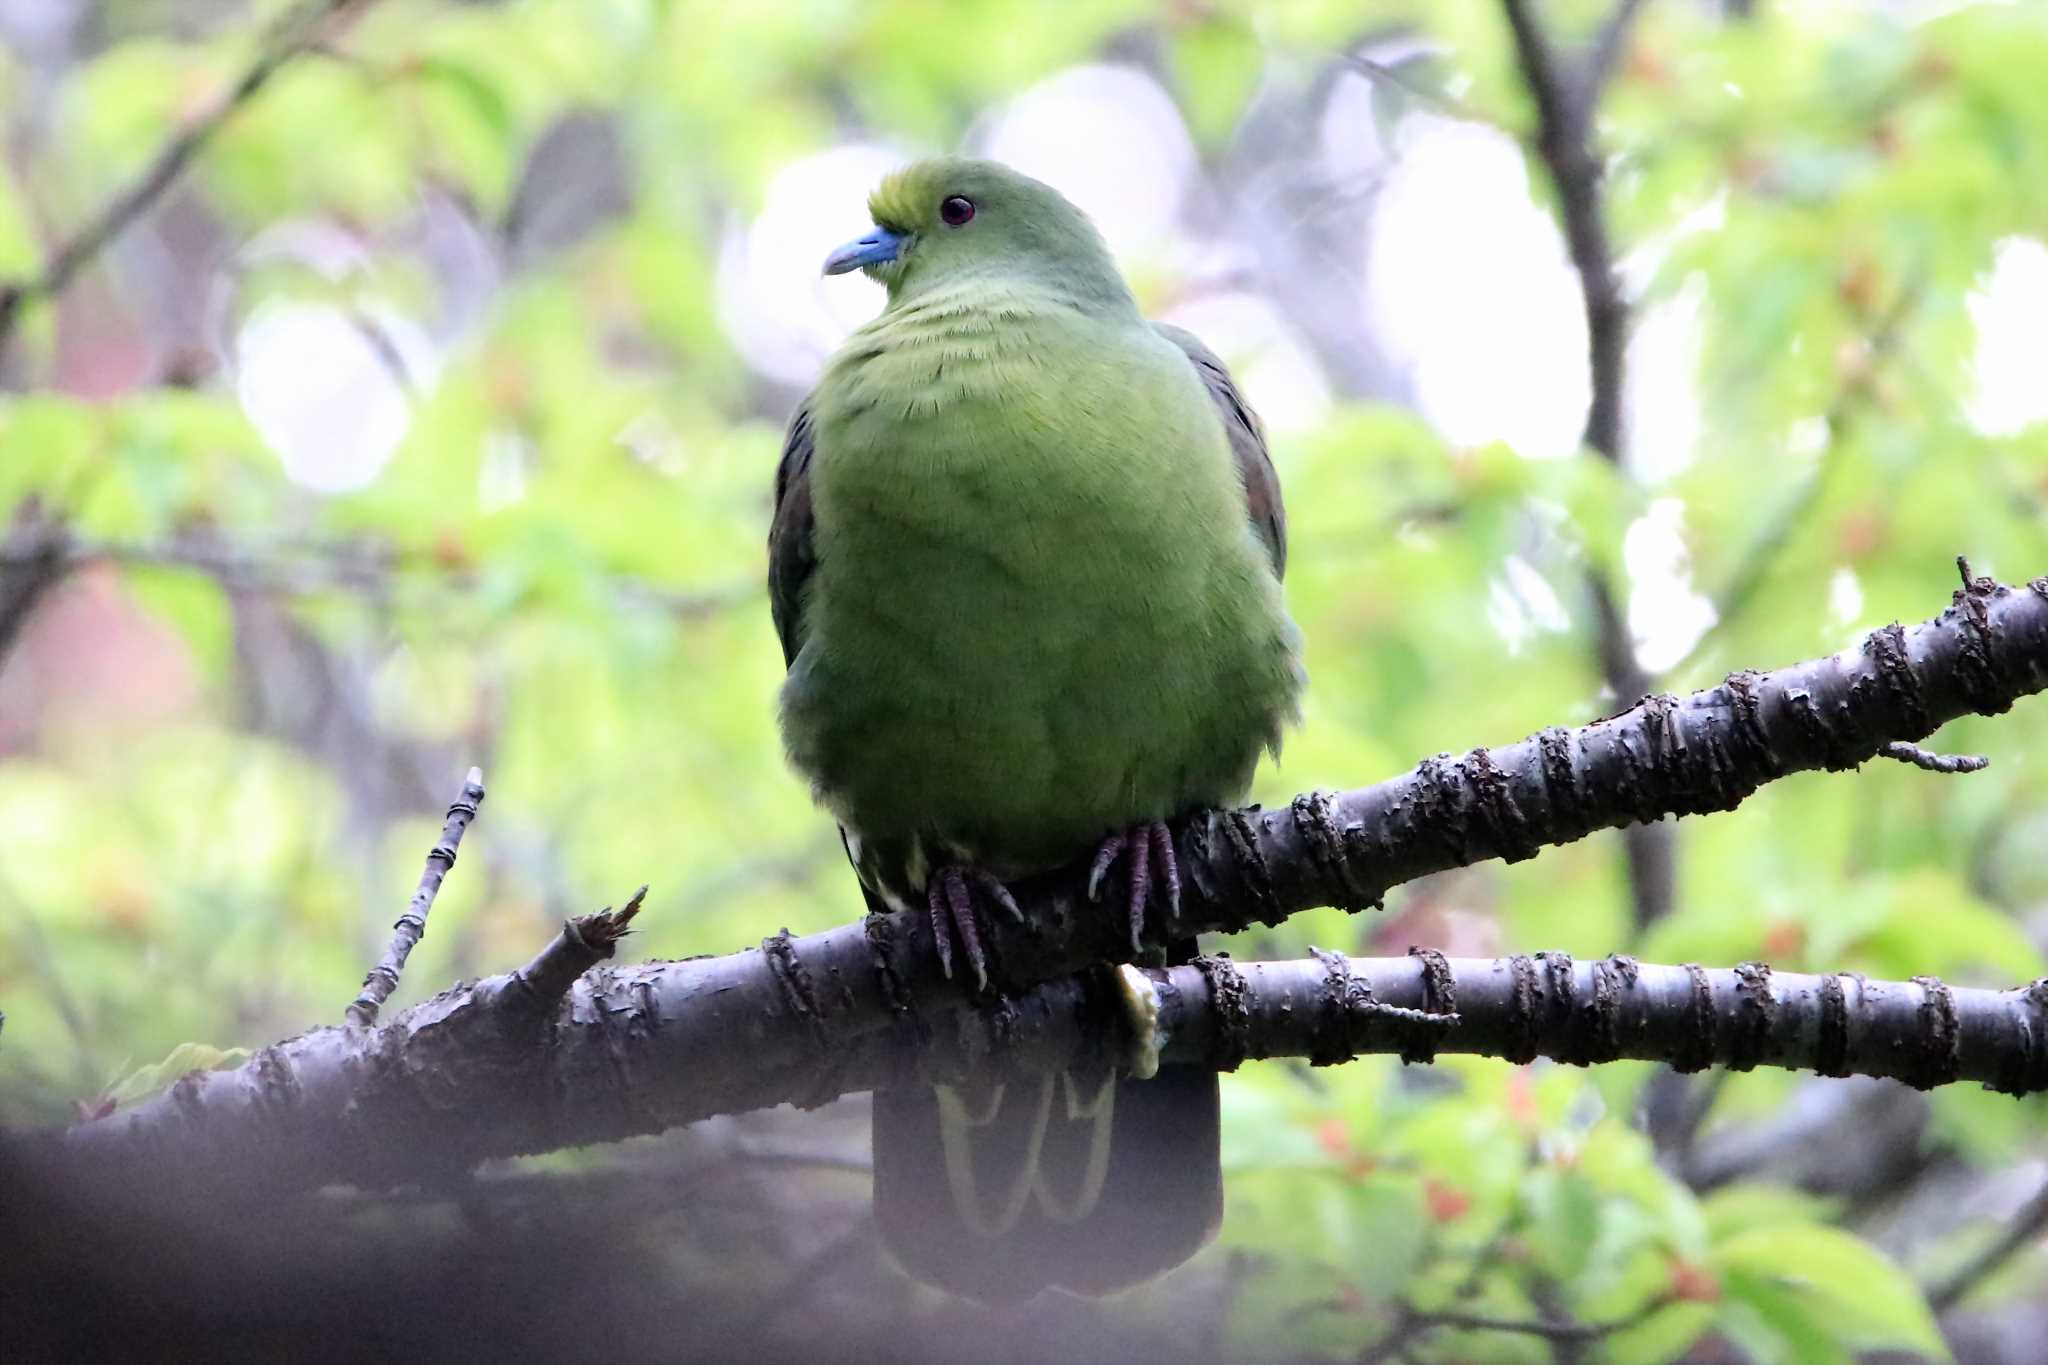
1025, 566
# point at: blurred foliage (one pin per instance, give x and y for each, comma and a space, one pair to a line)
214, 805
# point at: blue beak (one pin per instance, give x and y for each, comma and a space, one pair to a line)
878, 246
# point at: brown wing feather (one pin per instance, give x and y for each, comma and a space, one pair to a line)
1247, 443
790, 556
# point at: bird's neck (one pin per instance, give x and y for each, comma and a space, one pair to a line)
1001, 291
966, 340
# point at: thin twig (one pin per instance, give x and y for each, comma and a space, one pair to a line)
1411, 1323
1565, 101
1608, 47
1569, 1330
2023, 1228
362, 567
296, 32
1738, 593
1933, 762
411, 926
25, 933
32, 561
1380, 73
584, 942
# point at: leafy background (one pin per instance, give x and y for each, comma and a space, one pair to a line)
429, 419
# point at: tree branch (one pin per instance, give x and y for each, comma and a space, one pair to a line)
2021, 1230
33, 559
300, 30
1608, 47
1932, 762
1567, 1332
478, 1072
1565, 98
583, 943
411, 926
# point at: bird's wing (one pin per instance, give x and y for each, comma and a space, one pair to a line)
1247, 443
790, 555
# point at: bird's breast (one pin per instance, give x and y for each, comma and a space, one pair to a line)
1040, 448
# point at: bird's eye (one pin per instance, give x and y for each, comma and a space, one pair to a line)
957, 211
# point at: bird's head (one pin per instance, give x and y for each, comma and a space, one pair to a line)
941, 220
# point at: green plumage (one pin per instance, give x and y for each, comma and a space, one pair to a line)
1026, 557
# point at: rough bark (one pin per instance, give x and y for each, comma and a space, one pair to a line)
490, 1070
511, 1065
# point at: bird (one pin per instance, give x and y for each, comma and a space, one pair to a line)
1025, 566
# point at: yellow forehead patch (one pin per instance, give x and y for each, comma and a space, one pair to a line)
900, 200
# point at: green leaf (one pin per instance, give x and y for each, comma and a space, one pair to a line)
1933, 925
1216, 63
1661, 1337
1564, 1221
19, 253
1983, 1125
1856, 1293
1773, 1322
1735, 1209
195, 606
471, 124
1598, 500
147, 1080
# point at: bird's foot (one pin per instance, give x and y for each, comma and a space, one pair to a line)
1147, 850
949, 891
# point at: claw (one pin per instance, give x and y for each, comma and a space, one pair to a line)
1104, 856
942, 930
1169, 868
1149, 849
949, 895
999, 893
962, 906
1139, 846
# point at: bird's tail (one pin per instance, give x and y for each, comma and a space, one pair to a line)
1090, 1186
